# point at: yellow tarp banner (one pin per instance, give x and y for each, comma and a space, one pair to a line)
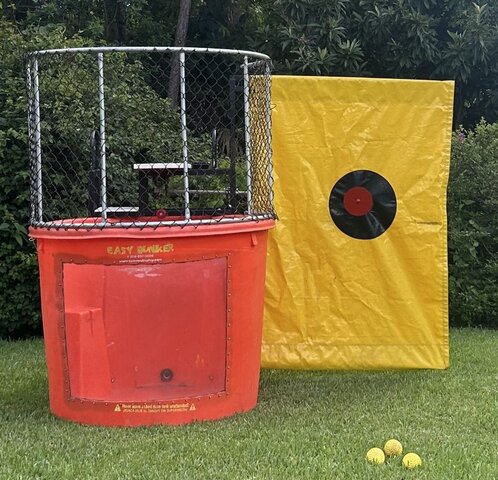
334, 301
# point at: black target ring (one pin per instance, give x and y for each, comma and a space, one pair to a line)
362, 204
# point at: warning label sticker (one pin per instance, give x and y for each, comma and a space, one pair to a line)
154, 407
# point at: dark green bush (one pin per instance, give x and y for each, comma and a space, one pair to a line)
473, 227
19, 291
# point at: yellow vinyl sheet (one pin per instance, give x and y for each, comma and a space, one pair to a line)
335, 301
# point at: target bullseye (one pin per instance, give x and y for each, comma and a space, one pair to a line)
362, 204
358, 201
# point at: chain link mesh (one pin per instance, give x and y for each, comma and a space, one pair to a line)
148, 137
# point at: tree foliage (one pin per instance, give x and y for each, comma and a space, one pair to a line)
311, 37
430, 39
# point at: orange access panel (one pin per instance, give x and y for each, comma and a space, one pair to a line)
146, 332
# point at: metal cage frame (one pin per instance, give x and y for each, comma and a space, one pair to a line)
248, 60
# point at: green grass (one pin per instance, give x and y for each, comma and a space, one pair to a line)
307, 425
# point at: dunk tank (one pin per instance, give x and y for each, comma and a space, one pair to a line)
151, 195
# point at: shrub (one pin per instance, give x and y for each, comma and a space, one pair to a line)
19, 291
473, 227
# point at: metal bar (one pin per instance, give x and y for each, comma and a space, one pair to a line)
94, 175
32, 173
247, 137
171, 223
37, 139
209, 192
225, 51
183, 120
103, 167
214, 148
232, 148
269, 153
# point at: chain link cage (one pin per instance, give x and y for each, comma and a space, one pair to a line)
148, 137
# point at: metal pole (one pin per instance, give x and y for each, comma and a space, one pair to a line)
232, 147
32, 173
222, 51
103, 171
37, 139
247, 138
74, 225
183, 120
267, 80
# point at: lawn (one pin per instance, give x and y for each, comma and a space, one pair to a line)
307, 425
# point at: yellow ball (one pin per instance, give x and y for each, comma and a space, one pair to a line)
376, 455
393, 448
412, 460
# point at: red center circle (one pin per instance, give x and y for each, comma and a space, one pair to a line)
358, 201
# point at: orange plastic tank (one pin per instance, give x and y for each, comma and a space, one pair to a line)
155, 327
